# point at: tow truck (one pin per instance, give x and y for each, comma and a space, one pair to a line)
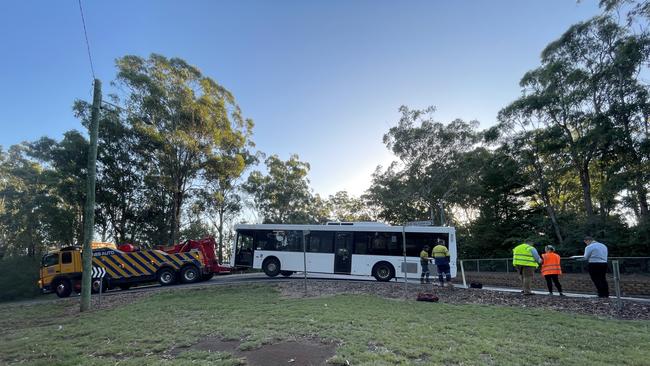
61, 270
207, 248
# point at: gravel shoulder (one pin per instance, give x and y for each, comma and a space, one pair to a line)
606, 308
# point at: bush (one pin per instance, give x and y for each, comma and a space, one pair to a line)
19, 278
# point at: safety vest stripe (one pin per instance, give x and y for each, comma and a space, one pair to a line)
145, 262
116, 266
525, 260
108, 269
138, 263
128, 259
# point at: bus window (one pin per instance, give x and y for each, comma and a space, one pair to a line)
321, 242
361, 242
416, 241
386, 244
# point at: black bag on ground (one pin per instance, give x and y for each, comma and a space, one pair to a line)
475, 285
426, 296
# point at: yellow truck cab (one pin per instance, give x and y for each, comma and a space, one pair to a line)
61, 270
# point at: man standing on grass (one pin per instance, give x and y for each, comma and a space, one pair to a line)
596, 256
525, 259
441, 258
424, 262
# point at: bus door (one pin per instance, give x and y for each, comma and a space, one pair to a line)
343, 253
244, 249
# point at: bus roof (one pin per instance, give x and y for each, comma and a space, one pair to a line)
365, 226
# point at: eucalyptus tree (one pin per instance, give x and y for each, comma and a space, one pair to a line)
220, 198
33, 215
283, 194
182, 119
431, 155
344, 207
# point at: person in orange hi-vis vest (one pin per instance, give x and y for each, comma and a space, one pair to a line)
551, 269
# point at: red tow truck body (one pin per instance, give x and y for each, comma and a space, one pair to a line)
207, 248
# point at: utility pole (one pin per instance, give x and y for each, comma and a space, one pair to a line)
89, 210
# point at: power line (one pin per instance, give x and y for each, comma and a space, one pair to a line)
83, 21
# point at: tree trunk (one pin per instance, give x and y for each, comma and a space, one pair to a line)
220, 230
585, 182
176, 216
642, 197
546, 199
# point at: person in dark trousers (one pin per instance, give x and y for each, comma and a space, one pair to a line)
424, 262
596, 257
441, 257
551, 269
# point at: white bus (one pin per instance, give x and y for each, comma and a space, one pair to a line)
362, 249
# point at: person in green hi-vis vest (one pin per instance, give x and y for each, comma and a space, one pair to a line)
525, 259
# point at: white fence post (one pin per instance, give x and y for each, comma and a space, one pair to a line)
462, 272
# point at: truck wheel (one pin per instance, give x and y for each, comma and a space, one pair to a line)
94, 286
383, 271
166, 277
190, 274
63, 288
271, 267
286, 273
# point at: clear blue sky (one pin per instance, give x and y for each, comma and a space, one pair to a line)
322, 79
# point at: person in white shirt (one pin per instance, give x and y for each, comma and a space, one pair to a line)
596, 256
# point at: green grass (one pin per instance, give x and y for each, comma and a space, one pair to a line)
370, 330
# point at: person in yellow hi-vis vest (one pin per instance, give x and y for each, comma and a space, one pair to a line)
525, 259
424, 262
441, 257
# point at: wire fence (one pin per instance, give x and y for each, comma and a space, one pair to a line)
628, 275
628, 265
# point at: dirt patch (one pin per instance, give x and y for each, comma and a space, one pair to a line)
591, 306
294, 353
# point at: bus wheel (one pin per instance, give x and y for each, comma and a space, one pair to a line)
190, 274
166, 276
286, 273
383, 271
63, 288
271, 267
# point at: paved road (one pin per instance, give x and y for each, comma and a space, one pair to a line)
262, 278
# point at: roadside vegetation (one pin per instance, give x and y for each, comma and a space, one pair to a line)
162, 327
19, 276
